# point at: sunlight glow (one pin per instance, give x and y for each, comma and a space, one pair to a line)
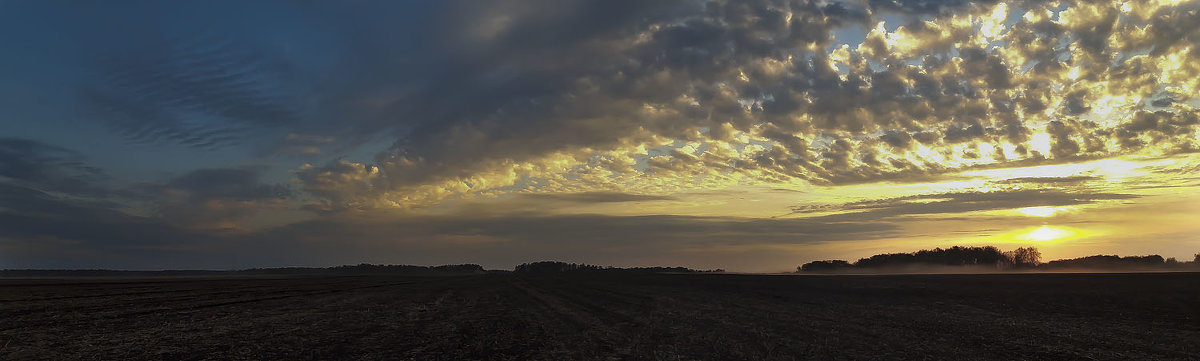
1048, 234
1112, 170
1042, 211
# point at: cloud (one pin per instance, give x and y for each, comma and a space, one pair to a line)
597, 197
603, 231
956, 203
56, 183
190, 223
579, 96
115, 239
1051, 180
341, 182
763, 92
48, 167
214, 197
231, 183
302, 144
509, 239
183, 76
38, 229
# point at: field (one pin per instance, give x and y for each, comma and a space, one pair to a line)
605, 317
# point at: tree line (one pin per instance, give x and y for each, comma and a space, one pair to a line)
360, 269
989, 257
556, 267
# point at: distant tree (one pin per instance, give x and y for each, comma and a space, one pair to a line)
1172, 261
1026, 257
825, 266
953, 256
551, 267
1109, 262
1197, 259
367, 268
1153, 259
554, 267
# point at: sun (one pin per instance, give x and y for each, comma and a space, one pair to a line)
1048, 234
1045, 234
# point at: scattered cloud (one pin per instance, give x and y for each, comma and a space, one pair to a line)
765, 92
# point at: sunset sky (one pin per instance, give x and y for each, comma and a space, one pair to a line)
745, 135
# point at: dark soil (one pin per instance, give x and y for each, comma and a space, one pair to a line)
606, 317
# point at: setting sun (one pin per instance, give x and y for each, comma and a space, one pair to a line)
1048, 234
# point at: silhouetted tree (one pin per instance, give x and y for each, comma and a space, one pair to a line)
1025, 257
1108, 262
367, 268
546, 267
553, 267
953, 256
825, 266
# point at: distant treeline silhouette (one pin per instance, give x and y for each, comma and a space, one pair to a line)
987, 256
408, 269
991, 258
1113, 262
554, 267
361, 269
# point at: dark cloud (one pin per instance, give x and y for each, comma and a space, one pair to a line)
1159, 126
341, 182
925, 6
306, 145
230, 183
48, 167
49, 229
210, 196
100, 227
958, 133
32, 202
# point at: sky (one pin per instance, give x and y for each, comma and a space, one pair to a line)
748, 135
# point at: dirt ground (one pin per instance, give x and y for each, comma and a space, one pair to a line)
605, 317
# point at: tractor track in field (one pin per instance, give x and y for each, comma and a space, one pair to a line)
170, 305
257, 299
